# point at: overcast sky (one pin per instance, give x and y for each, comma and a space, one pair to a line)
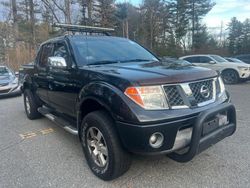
224, 10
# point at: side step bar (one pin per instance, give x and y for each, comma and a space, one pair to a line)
59, 121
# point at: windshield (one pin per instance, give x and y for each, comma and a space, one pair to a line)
109, 50
218, 59
4, 71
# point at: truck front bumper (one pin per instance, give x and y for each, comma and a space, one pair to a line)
195, 137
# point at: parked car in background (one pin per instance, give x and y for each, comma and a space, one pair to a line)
175, 61
233, 60
231, 72
244, 57
8, 82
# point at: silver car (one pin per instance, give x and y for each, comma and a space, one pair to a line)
231, 72
8, 82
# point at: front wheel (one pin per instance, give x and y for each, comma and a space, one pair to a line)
230, 76
102, 148
31, 105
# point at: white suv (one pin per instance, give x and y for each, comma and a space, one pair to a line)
231, 72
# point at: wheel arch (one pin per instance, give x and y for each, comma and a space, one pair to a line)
103, 96
26, 83
88, 105
227, 69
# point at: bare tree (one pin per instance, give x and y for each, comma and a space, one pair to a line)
32, 22
15, 25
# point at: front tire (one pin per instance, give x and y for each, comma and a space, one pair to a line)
230, 77
31, 105
102, 148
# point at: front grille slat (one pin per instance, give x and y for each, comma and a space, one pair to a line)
173, 95
177, 97
196, 90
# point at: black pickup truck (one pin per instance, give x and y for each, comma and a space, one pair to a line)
120, 99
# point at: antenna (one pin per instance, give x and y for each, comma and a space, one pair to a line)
84, 29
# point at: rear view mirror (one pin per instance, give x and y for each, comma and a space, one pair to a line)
212, 62
57, 62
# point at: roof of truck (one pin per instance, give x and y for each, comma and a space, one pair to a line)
70, 37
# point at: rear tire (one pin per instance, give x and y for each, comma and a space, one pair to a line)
31, 105
103, 151
230, 77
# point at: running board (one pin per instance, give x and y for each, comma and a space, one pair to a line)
59, 121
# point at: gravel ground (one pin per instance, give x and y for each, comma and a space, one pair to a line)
51, 157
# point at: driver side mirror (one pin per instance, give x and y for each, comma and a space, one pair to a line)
57, 62
212, 62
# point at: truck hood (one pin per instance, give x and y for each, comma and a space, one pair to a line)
150, 73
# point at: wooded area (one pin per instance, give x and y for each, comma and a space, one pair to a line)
167, 27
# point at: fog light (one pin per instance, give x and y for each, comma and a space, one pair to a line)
156, 140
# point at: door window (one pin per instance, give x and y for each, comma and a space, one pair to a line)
193, 59
204, 59
45, 53
60, 50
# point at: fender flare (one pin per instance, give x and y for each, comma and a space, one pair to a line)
26, 83
109, 97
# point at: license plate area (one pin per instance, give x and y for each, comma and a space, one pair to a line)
214, 123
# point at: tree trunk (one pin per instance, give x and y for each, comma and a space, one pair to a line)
193, 22
32, 23
89, 7
14, 12
67, 11
127, 34
151, 30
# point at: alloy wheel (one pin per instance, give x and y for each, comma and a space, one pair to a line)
97, 146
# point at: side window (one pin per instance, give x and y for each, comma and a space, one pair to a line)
192, 59
60, 50
204, 59
46, 51
189, 59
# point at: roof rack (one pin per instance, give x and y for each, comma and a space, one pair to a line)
84, 29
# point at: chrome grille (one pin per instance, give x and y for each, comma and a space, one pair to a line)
185, 95
173, 96
196, 90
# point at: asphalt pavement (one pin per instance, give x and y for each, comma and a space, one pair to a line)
38, 153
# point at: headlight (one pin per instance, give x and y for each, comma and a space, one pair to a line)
15, 81
243, 68
148, 97
222, 86
222, 91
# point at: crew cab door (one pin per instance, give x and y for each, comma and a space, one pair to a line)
40, 74
63, 88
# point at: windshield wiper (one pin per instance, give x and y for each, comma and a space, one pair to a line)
103, 62
136, 60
